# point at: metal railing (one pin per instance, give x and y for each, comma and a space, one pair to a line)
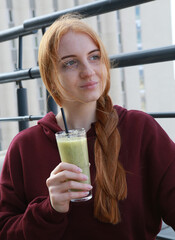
31, 26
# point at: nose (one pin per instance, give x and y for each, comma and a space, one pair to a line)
86, 71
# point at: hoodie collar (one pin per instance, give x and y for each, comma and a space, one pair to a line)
50, 126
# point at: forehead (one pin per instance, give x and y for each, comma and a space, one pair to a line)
73, 42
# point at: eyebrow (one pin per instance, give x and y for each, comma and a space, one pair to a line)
68, 56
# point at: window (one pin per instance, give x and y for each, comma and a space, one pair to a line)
41, 96
33, 13
36, 41
76, 2
14, 55
137, 12
122, 74
36, 55
138, 28
13, 43
142, 88
119, 32
32, 4
10, 12
33, 8
10, 16
141, 78
9, 4
143, 101
55, 5
99, 25
139, 37
118, 15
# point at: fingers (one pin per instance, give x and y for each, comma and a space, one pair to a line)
68, 196
65, 176
70, 185
63, 179
61, 202
64, 172
70, 190
66, 166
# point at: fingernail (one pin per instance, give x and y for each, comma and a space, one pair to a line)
89, 187
85, 177
86, 193
79, 169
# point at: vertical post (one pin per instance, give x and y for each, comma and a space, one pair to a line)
22, 107
21, 93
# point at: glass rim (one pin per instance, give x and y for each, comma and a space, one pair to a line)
71, 132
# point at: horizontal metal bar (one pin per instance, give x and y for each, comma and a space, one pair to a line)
34, 118
87, 10
143, 57
164, 238
20, 75
123, 60
15, 32
21, 118
163, 115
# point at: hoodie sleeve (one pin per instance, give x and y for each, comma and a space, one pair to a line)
22, 219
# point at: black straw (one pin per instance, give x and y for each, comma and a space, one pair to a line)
64, 120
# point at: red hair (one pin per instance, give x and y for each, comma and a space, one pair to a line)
110, 176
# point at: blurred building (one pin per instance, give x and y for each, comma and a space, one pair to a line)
150, 88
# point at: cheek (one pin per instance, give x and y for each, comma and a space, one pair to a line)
64, 80
68, 86
60, 84
68, 79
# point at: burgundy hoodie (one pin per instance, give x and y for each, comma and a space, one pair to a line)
147, 154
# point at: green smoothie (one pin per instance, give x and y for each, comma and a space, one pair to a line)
74, 150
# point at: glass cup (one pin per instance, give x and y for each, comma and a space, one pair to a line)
73, 149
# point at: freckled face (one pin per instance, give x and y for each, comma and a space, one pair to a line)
81, 71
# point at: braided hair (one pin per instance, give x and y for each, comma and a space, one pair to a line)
110, 176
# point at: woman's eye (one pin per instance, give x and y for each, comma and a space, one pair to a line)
70, 64
95, 57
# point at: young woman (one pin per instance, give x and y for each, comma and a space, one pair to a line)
132, 158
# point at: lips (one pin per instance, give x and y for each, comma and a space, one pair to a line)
89, 85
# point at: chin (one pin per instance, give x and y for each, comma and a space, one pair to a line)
91, 98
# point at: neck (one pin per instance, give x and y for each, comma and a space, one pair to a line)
78, 115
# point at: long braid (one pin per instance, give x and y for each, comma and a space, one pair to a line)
111, 183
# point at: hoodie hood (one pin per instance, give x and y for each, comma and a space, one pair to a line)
121, 113
49, 125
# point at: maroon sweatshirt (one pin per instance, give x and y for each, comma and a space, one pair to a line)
147, 154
